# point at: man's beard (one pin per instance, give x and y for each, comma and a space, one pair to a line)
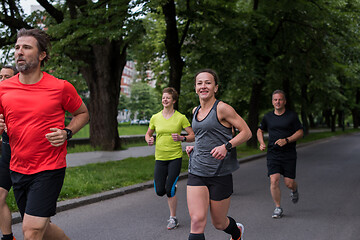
33, 63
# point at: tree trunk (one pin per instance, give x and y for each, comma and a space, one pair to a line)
341, 119
173, 47
355, 110
253, 119
327, 116
103, 76
311, 120
333, 121
304, 110
286, 89
356, 117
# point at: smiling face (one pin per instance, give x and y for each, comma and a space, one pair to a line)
167, 100
279, 101
27, 55
205, 85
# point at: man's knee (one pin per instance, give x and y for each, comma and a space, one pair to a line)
34, 227
32, 232
275, 180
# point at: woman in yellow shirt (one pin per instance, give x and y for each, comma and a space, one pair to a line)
168, 125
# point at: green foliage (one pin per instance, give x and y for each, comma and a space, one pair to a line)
144, 100
309, 49
124, 102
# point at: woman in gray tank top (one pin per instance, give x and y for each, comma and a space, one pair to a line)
213, 159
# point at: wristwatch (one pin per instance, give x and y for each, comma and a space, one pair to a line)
68, 133
287, 140
228, 146
184, 140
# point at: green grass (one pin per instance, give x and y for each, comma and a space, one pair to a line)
320, 135
98, 177
124, 129
94, 178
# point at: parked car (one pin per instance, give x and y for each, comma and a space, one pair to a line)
144, 122
134, 121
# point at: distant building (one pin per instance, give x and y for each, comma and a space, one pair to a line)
128, 75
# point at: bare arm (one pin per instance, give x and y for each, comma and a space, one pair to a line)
191, 135
149, 138
2, 123
293, 138
260, 137
189, 138
228, 117
57, 137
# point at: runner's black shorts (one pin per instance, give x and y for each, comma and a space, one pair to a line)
5, 179
37, 194
220, 188
287, 167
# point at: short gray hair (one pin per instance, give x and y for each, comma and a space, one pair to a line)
278, 91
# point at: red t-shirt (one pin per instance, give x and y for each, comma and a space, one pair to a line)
30, 110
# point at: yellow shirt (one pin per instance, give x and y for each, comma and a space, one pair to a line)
166, 148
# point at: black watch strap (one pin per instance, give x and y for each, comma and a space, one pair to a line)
68, 133
184, 140
228, 146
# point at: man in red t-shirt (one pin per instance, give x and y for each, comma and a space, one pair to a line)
33, 105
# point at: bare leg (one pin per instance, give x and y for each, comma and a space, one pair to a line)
275, 188
172, 202
5, 214
290, 183
53, 232
39, 228
219, 211
198, 205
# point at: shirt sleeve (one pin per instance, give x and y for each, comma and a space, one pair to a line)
263, 125
297, 124
152, 123
185, 122
71, 100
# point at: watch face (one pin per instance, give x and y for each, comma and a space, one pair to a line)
228, 146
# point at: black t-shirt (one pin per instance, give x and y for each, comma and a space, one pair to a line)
281, 126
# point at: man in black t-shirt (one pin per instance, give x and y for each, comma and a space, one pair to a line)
284, 130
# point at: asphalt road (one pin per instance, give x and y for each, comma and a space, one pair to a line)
328, 209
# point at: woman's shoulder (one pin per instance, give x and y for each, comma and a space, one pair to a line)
179, 113
156, 115
224, 107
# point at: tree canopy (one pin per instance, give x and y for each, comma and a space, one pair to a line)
307, 48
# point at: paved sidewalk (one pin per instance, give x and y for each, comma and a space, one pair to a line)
78, 159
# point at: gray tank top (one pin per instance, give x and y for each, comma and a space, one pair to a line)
210, 133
